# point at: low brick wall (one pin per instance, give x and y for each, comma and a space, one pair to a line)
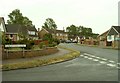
28, 53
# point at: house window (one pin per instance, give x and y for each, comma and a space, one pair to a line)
31, 32
11, 35
60, 34
57, 34
109, 38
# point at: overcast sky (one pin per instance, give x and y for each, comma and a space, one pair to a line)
99, 15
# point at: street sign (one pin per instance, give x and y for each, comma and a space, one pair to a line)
16, 45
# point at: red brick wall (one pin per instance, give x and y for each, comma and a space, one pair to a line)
29, 53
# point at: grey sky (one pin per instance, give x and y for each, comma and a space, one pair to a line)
99, 15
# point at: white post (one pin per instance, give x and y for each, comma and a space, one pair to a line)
23, 52
7, 53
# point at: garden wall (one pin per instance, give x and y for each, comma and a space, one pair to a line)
28, 53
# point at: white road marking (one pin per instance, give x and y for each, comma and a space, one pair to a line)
103, 62
111, 61
98, 57
90, 58
111, 65
118, 63
85, 57
104, 59
89, 55
95, 60
81, 55
93, 56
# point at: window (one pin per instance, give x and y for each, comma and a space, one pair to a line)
109, 38
31, 32
60, 34
57, 34
11, 35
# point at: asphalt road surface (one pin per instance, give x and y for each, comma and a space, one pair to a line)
94, 64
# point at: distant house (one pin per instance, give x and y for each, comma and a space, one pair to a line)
102, 39
16, 32
90, 41
113, 36
59, 34
2, 24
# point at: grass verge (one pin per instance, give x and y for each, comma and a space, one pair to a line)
35, 63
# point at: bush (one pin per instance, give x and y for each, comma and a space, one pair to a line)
56, 41
29, 43
41, 45
52, 45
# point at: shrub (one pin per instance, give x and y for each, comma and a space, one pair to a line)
56, 41
41, 45
52, 45
29, 43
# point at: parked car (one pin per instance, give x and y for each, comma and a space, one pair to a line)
74, 41
62, 41
68, 41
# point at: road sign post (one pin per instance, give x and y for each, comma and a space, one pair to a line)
15, 45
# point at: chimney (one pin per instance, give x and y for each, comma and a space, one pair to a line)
38, 29
63, 29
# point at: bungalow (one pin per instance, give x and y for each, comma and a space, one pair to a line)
16, 32
113, 36
59, 34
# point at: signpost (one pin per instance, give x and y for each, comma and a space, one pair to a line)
15, 45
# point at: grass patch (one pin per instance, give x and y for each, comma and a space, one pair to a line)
35, 63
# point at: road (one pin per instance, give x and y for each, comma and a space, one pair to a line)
94, 64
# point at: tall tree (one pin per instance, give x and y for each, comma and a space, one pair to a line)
72, 31
16, 17
50, 23
79, 31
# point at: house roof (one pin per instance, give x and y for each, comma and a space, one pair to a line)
103, 33
17, 28
54, 31
60, 31
117, 28
3, 22
50, 30
114, 30
31, 28
0, 20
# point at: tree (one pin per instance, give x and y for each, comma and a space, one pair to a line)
50, 23
94, 35
16, 17
72, 31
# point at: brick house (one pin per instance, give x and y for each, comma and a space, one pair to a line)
16, 32
113, 36
102, 39
59, 34
90, 41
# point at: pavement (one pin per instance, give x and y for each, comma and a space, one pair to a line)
61, 52
104, 47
